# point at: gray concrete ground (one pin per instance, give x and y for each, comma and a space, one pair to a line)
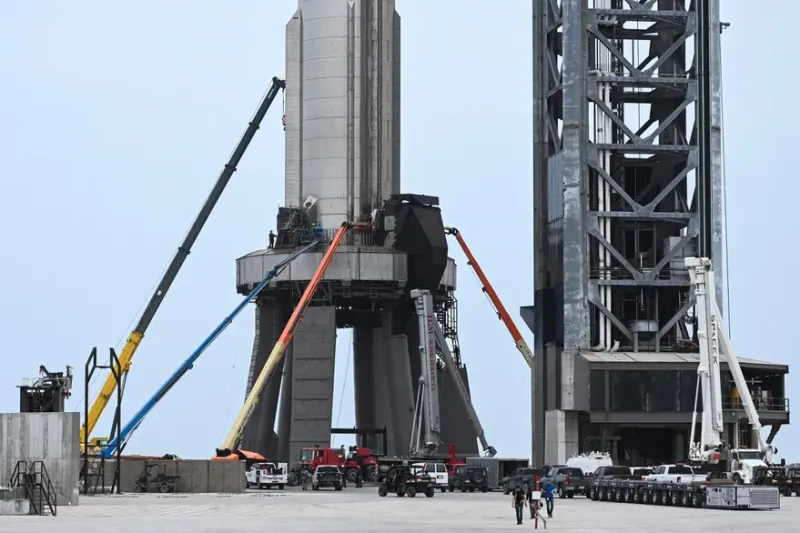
363, 511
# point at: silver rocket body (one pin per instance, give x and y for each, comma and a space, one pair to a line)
342, 107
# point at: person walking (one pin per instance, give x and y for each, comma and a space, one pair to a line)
549, 492
518, 502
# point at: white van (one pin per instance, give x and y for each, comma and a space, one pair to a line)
589, 462
437, 472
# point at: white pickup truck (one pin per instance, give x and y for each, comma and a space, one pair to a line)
266, 475
674, 474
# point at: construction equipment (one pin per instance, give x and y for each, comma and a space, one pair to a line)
728, 492
714, 343
229, 446
426, 429
136, 336
487, 288
138, 418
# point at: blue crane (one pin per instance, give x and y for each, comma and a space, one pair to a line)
130, 427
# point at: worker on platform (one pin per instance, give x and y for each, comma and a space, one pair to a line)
271, 240
518, 502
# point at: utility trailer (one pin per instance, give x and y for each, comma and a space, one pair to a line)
708, 494
497, 468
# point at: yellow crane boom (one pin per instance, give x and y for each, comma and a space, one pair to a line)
136, 336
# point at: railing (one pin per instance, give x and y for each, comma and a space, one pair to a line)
35, 480
771, 404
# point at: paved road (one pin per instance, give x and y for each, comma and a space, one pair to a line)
362, 510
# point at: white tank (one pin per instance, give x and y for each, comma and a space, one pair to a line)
342, 107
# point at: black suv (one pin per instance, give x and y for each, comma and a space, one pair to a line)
469, 478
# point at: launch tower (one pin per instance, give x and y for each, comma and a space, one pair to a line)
628, 181
343, 164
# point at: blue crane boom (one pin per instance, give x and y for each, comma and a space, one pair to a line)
130, 427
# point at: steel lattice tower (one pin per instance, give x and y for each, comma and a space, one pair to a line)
627, 181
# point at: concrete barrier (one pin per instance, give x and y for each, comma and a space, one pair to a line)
196, 476
52, 438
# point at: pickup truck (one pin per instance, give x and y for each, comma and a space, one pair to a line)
266, 475
568, 481
522, 478
327, 476
674, 474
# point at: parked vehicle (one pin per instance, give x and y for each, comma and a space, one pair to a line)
469, 478
327, 476
640, 471
568, 481
154, 478
405, 480
589, 462
497, 469
523, 478
267, 475
674, 474
436, 471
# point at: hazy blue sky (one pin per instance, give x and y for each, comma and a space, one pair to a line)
115, 122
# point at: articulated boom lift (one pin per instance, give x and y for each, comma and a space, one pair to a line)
136, 336
487, 288
714, 343
229, 446
431, 336
138, 418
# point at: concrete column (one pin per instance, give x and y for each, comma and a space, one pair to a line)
313, 353
399, 392
259, 434
561, 441
456, 426
285, 422
364, 378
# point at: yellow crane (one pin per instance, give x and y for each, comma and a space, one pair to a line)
136, 336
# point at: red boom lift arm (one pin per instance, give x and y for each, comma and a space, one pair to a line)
487, 288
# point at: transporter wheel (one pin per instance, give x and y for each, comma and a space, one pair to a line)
618, 494
648, 496
686, 499
659, 497
604, 494
595, 494
411, 491
699, 499
382, 491
429, 492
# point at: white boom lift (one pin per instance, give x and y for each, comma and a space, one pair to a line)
715, 344
426, 431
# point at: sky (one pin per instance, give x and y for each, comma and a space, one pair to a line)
115, 123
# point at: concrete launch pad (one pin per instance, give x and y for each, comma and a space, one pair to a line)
363, 510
